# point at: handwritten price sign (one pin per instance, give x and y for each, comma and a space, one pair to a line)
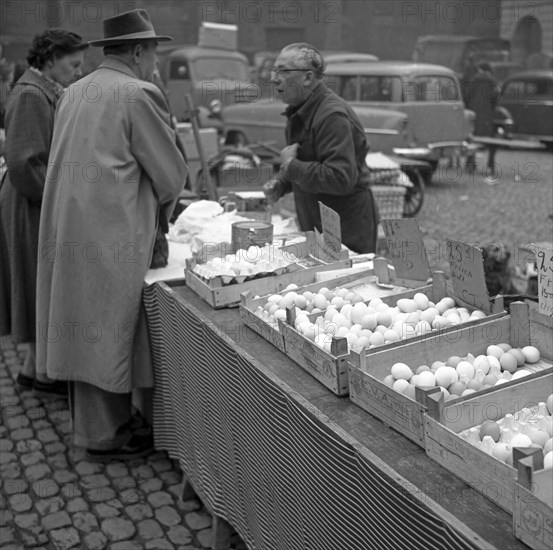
467, 274
406, 248
332, 232
544, 257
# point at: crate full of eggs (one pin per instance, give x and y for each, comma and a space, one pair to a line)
398, 384
261, 313
472, 432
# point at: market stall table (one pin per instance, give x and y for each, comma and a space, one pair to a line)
283, 460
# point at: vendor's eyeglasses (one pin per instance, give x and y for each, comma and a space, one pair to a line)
280, 72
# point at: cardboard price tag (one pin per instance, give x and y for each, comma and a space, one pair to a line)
467, 274
544, 257
332, 232
406, 247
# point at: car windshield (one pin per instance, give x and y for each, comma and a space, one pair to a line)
371, 87
212, 68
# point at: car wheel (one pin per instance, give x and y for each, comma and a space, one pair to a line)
414, 197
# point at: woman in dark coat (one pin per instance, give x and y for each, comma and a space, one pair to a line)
55, 61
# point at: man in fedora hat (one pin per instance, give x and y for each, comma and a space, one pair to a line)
114, 169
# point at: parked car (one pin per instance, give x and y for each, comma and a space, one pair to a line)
459, 51
528, 98
430, 95
210, 75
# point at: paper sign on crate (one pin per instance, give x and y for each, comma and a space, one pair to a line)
544, 257
406, 247
467, 274
332, 231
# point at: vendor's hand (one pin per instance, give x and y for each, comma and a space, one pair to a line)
272, 190
288, 154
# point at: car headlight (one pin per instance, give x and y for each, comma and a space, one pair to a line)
215, 106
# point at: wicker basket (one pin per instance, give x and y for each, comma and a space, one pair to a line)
390, 200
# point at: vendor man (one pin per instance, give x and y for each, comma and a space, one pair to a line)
325, 155
114, 167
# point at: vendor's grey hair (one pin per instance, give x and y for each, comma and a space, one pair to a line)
310, 57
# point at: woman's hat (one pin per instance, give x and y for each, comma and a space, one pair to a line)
130, 26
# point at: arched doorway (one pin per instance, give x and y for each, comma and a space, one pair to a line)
526, 39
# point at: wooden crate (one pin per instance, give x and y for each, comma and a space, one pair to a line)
533, 512
331, 369
219, 295
367, 371
270, 331
444, 421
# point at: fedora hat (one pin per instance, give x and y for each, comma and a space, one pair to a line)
130, 26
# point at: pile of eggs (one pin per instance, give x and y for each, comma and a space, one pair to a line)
246, 262
364, 325
460, 376
528, 427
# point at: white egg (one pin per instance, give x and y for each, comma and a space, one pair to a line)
520, 374
340, 320
301, 318
478, 314
345, 310
406, 305
494, 350
548, 460
400, 385
391, 336
401, 371
531, 353
358, 312
464, 368
521, 440
389, 380
481, 362
421, 300
429, 315
427, 379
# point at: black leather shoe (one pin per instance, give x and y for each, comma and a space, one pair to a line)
25, 382
137, 447
56, 388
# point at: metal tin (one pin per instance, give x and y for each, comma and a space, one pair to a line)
252, 232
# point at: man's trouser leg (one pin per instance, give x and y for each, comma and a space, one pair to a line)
101, 419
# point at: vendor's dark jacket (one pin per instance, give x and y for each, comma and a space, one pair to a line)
330, 167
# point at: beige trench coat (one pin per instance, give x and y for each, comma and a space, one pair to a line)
113, 164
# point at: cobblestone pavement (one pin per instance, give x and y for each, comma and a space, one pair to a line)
54, 499
517, 207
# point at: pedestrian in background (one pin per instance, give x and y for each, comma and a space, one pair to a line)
114, 167
326, 148
481, 96
55, 60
